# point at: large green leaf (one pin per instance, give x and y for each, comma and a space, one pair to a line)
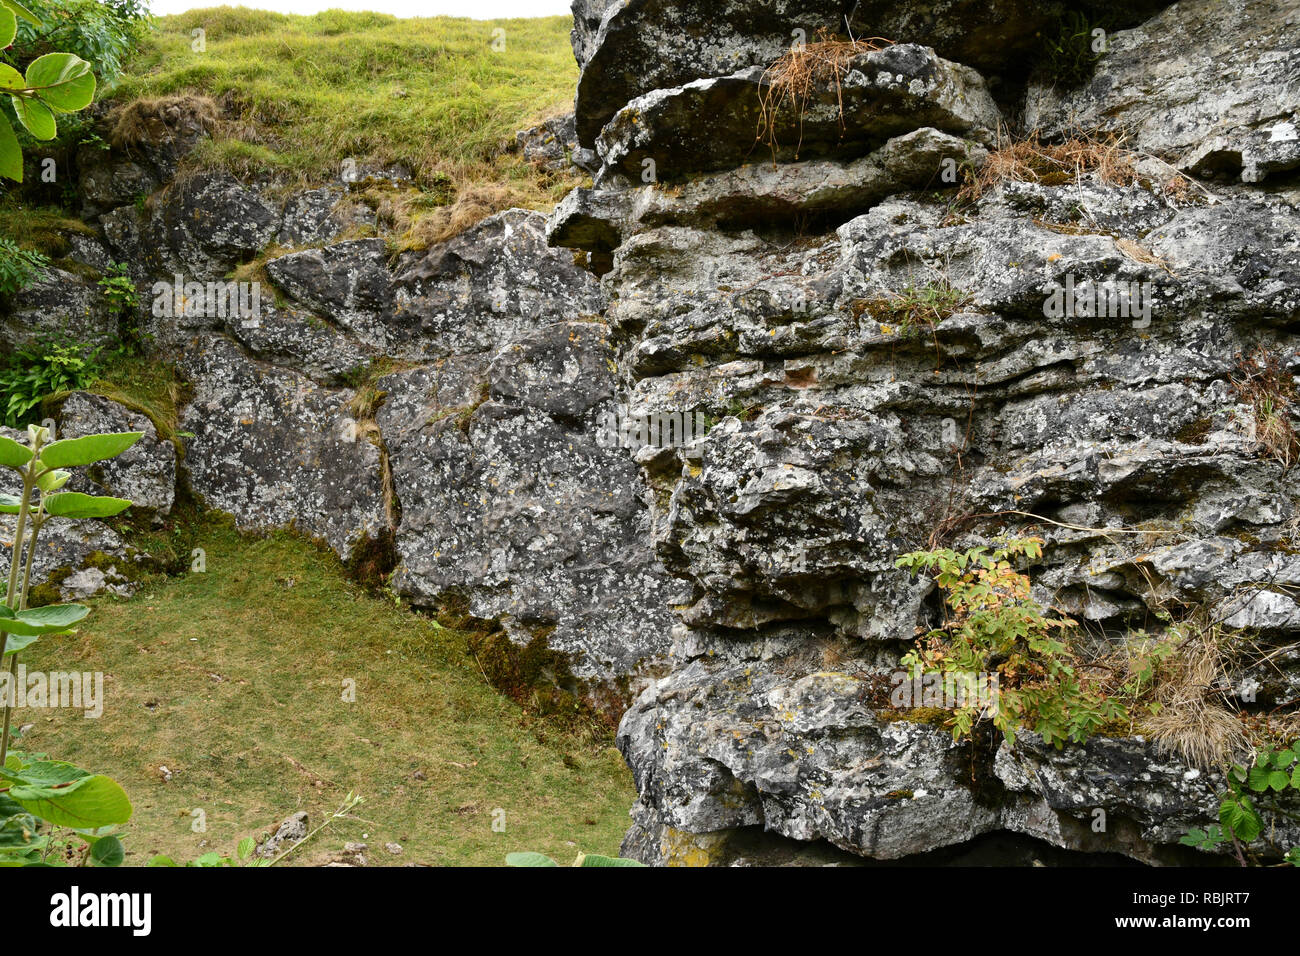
36, 116
63, 80
10, 504
108, 851
20, 642
11, 79
73, 504
11, 164
72, 452
68, 796
20, 10
42, 620
8, 26
12, 454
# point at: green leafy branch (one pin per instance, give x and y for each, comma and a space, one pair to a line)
34, 789
54, 83
1274, 773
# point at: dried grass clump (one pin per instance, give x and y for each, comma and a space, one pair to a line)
1269, 390
1054, 164
1192, 688
158, 119
473, 203
794, 79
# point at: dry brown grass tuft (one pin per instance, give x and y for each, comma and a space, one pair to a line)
1269, 390
473, 203
794, 78
157, 119
1192, 688
1054, 164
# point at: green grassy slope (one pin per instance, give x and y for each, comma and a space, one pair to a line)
439, 95
233, 680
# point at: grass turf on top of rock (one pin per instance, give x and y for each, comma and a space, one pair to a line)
233, 679
300, 94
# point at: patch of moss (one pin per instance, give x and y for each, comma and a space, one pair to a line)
933, 716
372, 560
541, 680
1194, 433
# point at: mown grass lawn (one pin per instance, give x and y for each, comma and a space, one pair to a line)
233, 679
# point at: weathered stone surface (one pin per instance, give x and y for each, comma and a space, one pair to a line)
145, 473
349, 282
882, 94
847, 437
508, 499
295, 339
57, 303
1208, 86
587, 16
272, 448
200, 228
1149, 798
749, 732
761, 193
79, 559
485, 287
551, 145
630, 49
645, 45
321, 215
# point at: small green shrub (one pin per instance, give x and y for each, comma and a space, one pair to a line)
119, 289
1275, 774
35, 372
994, 627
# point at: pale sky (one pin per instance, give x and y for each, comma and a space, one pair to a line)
479, 9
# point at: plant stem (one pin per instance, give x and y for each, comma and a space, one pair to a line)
25, 506
9, 711
15, 556
37, 523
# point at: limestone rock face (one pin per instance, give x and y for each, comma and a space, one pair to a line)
873, 361
1208, 86
785, 298
479, 290
882, 94
469, 468
272, 448
508, 499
